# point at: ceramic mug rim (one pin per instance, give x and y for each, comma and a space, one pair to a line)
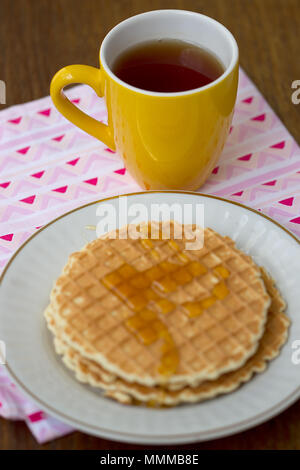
129, 21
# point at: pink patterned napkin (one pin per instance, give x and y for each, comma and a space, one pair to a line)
49, 167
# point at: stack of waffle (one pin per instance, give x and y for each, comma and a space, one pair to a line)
148, 321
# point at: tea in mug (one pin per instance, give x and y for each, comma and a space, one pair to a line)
167, 66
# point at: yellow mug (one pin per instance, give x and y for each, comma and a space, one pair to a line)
167, 140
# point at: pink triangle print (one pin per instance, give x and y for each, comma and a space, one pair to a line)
215, 170
76, 100
24, 150
248, 100
38, 175
92, 181
5, 185
16, 120
59, 138
246, 158
73, 162
296, 220
45, 112
287, 202
270, 183
8, 237
260, 118
239, 193
122, 171
62, 190
279, 145
28, 200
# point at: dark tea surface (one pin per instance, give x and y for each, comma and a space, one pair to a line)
167, 65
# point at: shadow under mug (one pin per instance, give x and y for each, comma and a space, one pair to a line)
167, 140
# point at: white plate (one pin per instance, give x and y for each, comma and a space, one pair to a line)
34, 366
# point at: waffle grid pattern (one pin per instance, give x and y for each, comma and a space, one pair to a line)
90, 372
220, 339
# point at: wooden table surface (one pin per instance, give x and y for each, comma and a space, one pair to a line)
37, 37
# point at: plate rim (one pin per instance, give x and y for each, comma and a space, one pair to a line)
157, 439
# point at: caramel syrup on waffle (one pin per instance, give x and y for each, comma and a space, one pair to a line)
144, 293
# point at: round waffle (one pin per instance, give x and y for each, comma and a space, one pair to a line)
151, 312
90, 372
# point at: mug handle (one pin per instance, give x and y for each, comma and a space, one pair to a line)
92, 77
